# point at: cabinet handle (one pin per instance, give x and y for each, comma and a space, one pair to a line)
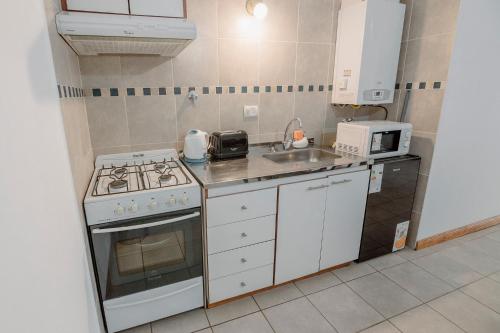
312, 188
243, 284
243, 260
396, 170
243, 235
342, 182
244, 207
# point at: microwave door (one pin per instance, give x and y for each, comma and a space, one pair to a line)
385, 142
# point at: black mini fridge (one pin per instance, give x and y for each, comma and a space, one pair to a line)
393, 182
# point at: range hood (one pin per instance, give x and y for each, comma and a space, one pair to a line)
94, 34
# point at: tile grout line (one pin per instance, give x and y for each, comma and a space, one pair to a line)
321, 313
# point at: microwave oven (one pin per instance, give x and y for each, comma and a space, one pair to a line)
374, 139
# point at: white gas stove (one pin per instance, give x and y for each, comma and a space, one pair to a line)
144, 216
128, 185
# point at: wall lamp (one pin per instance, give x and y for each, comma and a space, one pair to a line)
257, 8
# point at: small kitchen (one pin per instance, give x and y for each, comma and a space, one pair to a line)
261, 166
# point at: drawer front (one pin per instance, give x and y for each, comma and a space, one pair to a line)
241, 283
239, 207
239, 234
239, 260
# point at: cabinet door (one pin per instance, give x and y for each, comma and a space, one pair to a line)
300, 222
168, 8
345, 209
100, 6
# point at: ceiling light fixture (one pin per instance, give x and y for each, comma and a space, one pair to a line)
257, 8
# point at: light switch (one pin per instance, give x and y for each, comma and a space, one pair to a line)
250, 111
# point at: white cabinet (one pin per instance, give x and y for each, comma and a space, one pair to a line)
169, 8
99, 6
299, 231
344, 214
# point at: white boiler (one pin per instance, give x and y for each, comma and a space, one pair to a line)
367, 51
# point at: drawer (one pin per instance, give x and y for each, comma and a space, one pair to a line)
241, 283
242, 259
239, 207
238, 234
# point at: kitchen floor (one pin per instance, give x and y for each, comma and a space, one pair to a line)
450, 287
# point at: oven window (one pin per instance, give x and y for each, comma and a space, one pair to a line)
384, 142
134, 260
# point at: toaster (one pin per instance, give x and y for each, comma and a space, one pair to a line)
228, 144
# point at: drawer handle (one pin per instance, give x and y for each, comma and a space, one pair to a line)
243, 260
244, 207
243, 235
396, 170
312, 188
342, 182
243, 284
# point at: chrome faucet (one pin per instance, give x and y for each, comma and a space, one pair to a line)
287, 142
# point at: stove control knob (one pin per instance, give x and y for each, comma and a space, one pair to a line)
152, 205
171, 201
119, 210
133, 207
185, 199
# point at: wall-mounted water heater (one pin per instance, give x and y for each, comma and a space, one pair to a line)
367, 52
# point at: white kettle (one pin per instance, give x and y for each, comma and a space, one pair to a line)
195, 146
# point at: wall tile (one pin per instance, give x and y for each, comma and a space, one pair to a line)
107, 121
407, 21
430, 17
151, 119
231, 113
238, 61
202, 114
336, 8
276, 110
203, 13
146, 71
315, 21
336, 114
100, 71
235, 22
281, 21
422, 144
197, 64
277, 63
424, 109
331, 66
420, 193
427, 59
311, 109
312, 63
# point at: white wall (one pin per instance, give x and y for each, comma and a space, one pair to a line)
464, 183
44, 278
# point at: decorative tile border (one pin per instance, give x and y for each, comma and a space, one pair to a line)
69, 92
72, 92
421, 85
206, 90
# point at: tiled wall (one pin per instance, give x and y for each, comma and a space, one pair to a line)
284, 64
425, 56
72, 103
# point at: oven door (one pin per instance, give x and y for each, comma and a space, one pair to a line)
146, 253
385, 142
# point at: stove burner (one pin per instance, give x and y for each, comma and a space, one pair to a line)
118, 183
165, 178
159, 166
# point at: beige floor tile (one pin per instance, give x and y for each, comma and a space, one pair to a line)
384, 327
139, 329
317, 283
232, 310
253, 323
297, 316
486, 291
386, 261
424, 320
385, 296
467, 313
354, 271
277, 295
344, 309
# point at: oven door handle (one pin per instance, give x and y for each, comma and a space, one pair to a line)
147, 225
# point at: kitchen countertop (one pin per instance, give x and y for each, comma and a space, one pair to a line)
255, 167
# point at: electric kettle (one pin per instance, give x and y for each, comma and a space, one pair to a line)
195, 146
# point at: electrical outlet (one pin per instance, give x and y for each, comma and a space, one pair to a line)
250, 111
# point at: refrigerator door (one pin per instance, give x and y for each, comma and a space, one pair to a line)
389, 207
